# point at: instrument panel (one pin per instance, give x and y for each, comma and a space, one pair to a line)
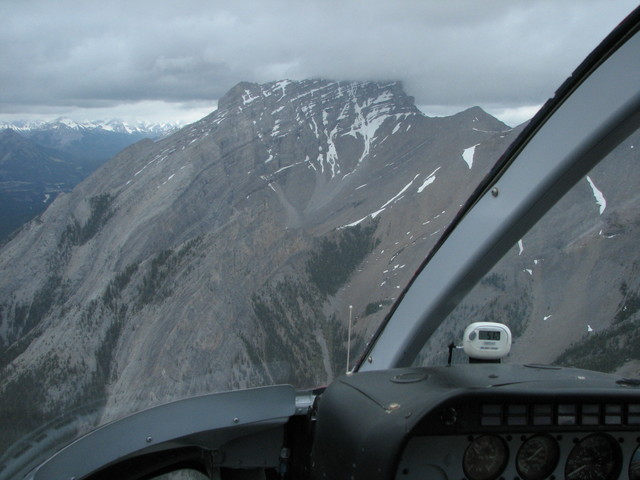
527, 441
525, 456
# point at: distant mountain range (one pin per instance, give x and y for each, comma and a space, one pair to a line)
147, 129
38, 160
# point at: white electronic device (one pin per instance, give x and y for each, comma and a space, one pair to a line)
487, 341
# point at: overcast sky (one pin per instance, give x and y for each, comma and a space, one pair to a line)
171, 60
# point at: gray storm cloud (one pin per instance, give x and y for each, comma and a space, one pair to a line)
71, 54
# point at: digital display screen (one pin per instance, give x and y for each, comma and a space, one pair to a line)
489, 335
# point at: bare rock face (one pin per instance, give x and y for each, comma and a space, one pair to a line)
226, 255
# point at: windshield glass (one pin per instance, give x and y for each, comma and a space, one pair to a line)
569, 289
266, 242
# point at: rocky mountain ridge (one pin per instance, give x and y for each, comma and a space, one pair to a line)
226, 255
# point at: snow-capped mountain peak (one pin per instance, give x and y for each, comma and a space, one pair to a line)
110, 125
247, 200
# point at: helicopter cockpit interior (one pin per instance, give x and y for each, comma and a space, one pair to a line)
405, 412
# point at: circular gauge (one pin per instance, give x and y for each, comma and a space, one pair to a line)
485, 458
537, 457
634, 466
594, 457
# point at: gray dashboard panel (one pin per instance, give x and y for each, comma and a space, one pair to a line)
209, 421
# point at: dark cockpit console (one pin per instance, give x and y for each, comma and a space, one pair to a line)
478, 422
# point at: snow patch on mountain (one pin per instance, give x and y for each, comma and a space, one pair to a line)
467, 154
430, 179
600, 200
398, 196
